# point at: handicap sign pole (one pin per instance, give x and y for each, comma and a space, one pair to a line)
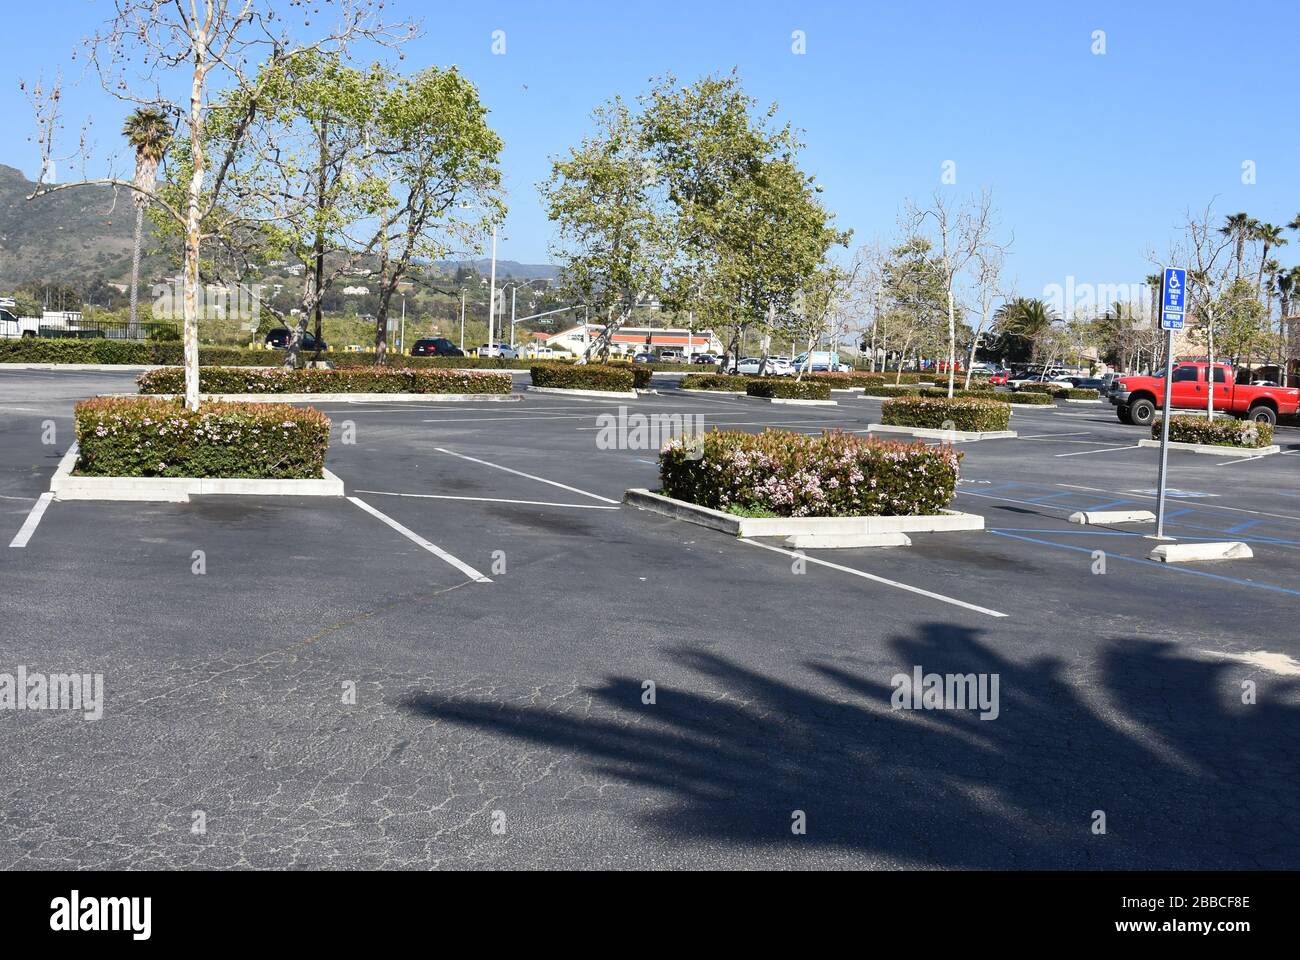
1172, 311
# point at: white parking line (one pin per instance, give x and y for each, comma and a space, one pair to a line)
32, 522
531, 503
1084, 453
419, 541
520, 473
1200, 504
875, 579
1229, 463
1048, 436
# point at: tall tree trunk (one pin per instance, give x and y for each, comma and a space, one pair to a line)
133, 328
194, 225
321, 186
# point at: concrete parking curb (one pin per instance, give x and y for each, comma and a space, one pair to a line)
1200, 552
1096, 518
830, 541
944, 521
65, 486
927, 433
608, 394
344, 397
1216, 449
1097, 401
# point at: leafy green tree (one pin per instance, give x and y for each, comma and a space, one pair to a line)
1023, 325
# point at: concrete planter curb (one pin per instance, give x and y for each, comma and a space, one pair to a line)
1097, 401
85, 367
945, 521
65, 486
849, 541
795, 402
1200, 552
927, 433
609, 394
343, 397
1215, 449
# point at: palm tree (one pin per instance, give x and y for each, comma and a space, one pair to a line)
1271, 237
1238, 226
149, 132
1024, 319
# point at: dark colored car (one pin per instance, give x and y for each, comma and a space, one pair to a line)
644, 357
436, 347
1091, 383
705, 358
280, 337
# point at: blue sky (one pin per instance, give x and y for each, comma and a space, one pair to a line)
1092, 160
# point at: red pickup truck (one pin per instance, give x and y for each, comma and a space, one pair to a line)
1137, 399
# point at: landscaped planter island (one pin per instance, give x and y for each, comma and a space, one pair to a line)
148, 448
783, 484
1224, 436
961, 418
590, 379
343, 384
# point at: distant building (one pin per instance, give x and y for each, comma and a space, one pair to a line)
356, 291
631, 340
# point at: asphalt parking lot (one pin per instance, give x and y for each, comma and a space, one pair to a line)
499, 613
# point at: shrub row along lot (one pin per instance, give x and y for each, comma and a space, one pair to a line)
519, 703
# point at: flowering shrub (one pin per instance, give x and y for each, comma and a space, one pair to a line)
975, 414
715, 381
171, 380
789, 389
151, 437
1221, 431
588, 376
795, 475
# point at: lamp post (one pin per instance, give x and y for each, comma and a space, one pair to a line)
492, 294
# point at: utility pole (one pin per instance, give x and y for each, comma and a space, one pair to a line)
513, 292
462, 321
492, 294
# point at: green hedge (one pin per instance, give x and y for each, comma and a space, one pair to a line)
794, 475
1032, 398
1221, 431
783, 388
841, 381
1079, 393
586, 377
976, 414
886, 391
942, 393
715, 381
151, 437
171, 380
1041, 388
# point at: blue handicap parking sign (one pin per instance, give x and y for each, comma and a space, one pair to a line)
1174, 306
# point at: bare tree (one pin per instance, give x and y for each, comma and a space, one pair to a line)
145, 44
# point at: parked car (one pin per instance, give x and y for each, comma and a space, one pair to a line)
983, 368
709, 358
280, 338
1138, 399
645, 356
1055, 375
671, 356
501, 350
436, 347
538, 352
999, 378
820, 361
1091, 383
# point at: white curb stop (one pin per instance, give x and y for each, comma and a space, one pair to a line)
1104, 517
1200, 552
608, 394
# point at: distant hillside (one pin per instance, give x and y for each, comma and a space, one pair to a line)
505, 268
71, 236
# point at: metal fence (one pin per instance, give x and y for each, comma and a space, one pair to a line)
109, 330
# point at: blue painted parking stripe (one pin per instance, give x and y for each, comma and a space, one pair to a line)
1153, 564
1051, 496
1170, 514
1244, 526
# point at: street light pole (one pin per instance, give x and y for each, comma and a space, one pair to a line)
462, 321
513, 292
401, 337
492, 293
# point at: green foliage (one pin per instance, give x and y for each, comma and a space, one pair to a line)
785, 388
150, 437
586, 377
715, 381
374, 379
975, 414
888, 390
127, 352
1221, 431
1028, 398
794, 475
844, 381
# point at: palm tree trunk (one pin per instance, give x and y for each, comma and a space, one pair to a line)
133, 329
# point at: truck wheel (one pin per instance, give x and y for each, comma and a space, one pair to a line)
1125, 415
1262, 414
1142, 412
